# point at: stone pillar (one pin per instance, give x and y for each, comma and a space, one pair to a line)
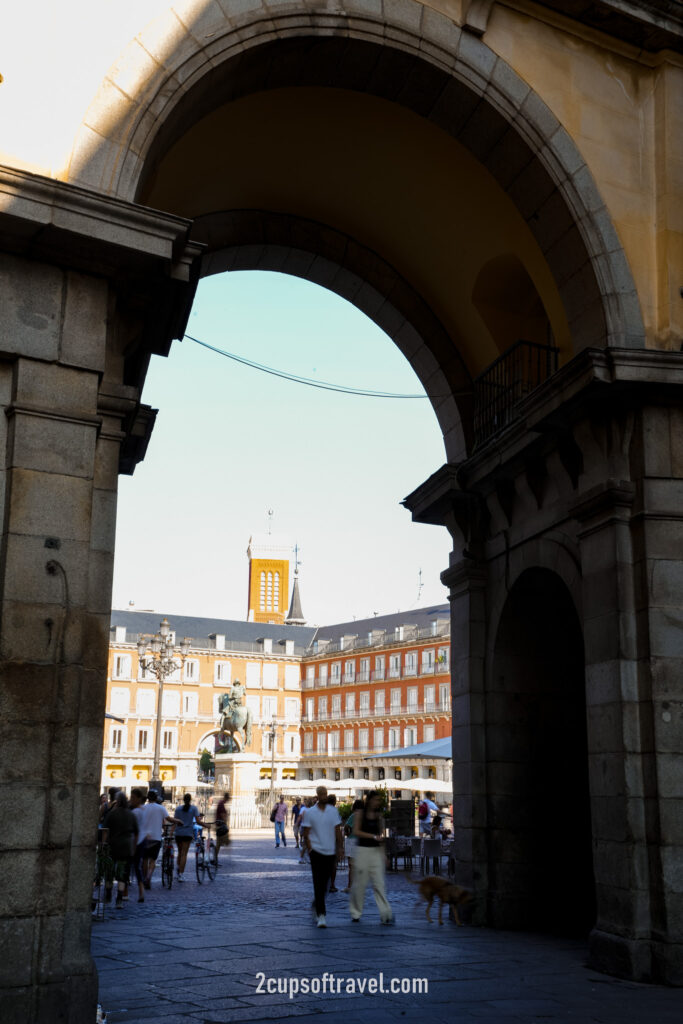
69, 424
467, 594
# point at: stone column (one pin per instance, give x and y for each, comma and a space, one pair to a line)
467, 584
67, 329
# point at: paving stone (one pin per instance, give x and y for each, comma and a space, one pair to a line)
205, 945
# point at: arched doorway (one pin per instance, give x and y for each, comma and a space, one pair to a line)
539, 823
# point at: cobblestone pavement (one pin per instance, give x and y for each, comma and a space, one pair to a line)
193, 956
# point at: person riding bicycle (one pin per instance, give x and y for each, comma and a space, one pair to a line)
187, 814
155, 817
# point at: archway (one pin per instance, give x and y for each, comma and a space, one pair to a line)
539, 823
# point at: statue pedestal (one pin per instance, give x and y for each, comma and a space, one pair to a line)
238, 775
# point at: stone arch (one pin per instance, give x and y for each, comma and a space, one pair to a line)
538, 803
416, 57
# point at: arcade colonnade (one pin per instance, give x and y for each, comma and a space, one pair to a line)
434, 168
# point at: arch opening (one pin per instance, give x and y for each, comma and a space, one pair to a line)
539, 823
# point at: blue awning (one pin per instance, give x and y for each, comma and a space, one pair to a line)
433, 750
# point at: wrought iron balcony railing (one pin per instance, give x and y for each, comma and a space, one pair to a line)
509, 379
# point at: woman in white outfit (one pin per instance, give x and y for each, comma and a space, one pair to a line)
369, 860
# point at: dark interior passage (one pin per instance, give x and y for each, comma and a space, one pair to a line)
539, 824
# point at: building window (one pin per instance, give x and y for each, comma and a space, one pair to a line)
411, 663
379, 667
444, 695
348, 739
119, 700
322, 742
364, 670
292, 677
122, 666
222, 672
428, 661
310, 675
350, 703
262, 592
170, 706
335, 671
253, 673
168, 740
270, 677
393, 739
308, 742
323, 675
143, 739
145, 702
428, 733
394, 666
349, 671
190, 705
334, 742
116, 740
364, 700
336, 705
430, 698
409, 736
443, 659
291, 743
309, 709
378, 740
254, 705
362, 741
269, 708
379, 701
396, 699
191, 671
412, 698
322, 707
291, 709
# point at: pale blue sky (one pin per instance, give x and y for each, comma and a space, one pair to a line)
231, 442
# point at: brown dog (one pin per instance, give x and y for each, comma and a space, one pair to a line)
433, 887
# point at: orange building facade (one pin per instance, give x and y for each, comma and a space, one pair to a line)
372, 691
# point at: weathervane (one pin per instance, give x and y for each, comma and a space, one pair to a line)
270, 521
419, 586
297, 560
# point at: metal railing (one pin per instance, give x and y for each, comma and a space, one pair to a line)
506, 382
428, 707
382, 639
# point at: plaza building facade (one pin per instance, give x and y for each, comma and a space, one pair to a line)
264, 657
372, 686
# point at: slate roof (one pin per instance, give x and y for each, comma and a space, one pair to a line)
235, 631
420, 617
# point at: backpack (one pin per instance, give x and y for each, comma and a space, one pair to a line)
273, 813
423, 810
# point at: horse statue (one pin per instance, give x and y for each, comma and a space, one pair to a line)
235, 720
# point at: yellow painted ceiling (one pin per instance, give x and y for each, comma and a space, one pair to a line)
371, 169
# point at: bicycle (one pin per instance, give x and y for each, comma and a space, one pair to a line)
205, 856
167, 856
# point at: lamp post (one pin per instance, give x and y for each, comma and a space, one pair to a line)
156, 654
273, 737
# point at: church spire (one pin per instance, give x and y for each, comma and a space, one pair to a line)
295, 616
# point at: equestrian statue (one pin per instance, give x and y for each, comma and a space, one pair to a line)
235, 721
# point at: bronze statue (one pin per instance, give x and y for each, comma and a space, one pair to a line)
235, 720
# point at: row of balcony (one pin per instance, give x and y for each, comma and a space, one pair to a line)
429, 707
381, 638
377, 675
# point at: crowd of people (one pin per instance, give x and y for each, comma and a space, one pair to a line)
134, 828
321, 835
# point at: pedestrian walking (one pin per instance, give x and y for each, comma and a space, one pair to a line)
369, 860
322, 831
425, 812
332, 801
279, 817
350, 840
296, 811
222, 825
123, 832
139, 809
155, 816
186, 814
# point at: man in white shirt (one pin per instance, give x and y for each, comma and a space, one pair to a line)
322, 832
431, 809
155, 816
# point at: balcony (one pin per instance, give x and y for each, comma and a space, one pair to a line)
500, 389
409, 670
442, 707
378, 675
364, 676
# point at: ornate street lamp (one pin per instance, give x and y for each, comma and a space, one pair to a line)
156, 654
273, 740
